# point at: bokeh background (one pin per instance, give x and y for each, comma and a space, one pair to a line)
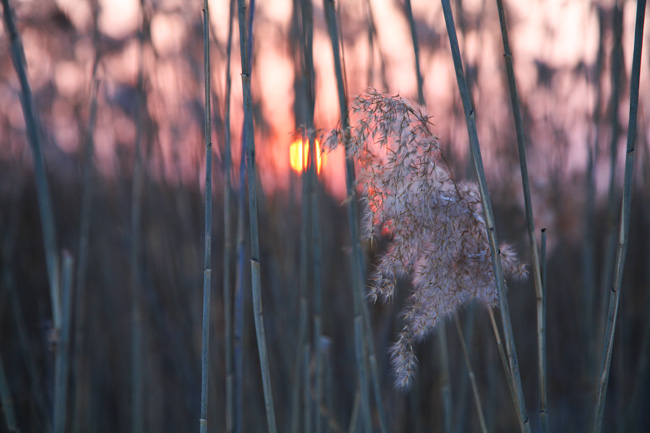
572, 64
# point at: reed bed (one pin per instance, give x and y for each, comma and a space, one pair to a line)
335, 311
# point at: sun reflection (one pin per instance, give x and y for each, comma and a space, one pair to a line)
299, 156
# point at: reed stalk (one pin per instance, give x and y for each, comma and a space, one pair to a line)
80, 362
137, 370
616, 66
314, 203
445, 381
306, 389
489, 215
472, 378
615, 293
238, 331
252, 204
227, 230
63, 348
32, 129
357, 258
416, 50
7, 401
543, 396
207, 263
530, 223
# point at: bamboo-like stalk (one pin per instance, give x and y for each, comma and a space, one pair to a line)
32, 128
530, 223
472, 378
207, 263
615, 294
62, 348
7, 401
252, 204
80, 363
227, 226
489, 215
543, 396
616, 66
357, 259
314, 203
137, 370
416, 50
306, 389
589, 286
238, 331
445, 380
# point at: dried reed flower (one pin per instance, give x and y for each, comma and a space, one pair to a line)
435, 224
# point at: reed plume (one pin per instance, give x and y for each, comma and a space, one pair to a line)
435, 224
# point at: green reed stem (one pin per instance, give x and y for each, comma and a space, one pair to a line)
615, 294
137, 370
7, 401
252, 204
543, 396
416, 50
357, 258
207, 264
445, 380
32, 127
63, 348
530, 223
227, 230
472, 378
489, 215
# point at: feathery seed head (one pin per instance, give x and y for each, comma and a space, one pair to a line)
436, 225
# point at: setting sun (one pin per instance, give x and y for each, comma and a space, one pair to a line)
299, 156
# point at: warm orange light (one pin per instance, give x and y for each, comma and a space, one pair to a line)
299, 156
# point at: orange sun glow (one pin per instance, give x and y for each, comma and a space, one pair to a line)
299, 156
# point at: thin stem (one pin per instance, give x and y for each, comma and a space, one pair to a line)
7, 401
137, 370
207, 264
238, 332
32, 128
252, 203
477, 398
610, 325
357, 258
489, 215
543, 395
445, 381
63, 348
416, 50
227, 226
504, 360
521, 146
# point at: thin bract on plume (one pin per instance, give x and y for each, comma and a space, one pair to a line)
435, 225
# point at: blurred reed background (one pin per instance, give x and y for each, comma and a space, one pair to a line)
118, 113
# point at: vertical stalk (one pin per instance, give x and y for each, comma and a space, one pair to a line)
227, 226
62, 349
80, 362
314, 203
489, 215
616, 62
470, 370
416, 50
7, 401
445, 386
207, 263
238, 331
521, 146
32, 128
357, 258
252, 203
610, 326
543, 394
137, 391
